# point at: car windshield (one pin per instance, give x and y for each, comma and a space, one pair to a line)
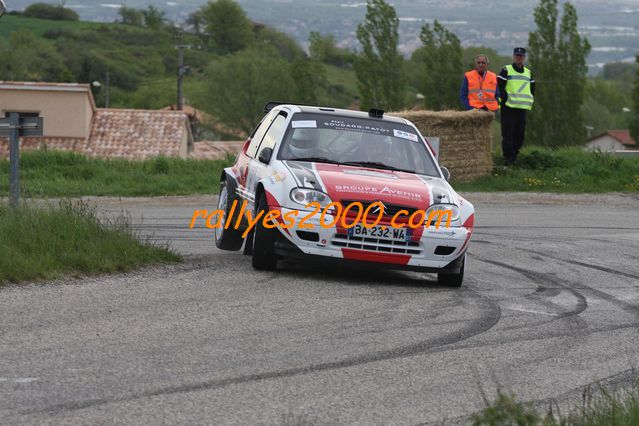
356, 141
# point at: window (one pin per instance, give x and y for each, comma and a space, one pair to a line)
258, 134
275, 132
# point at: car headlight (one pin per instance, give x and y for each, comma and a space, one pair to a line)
305, 196
437, 211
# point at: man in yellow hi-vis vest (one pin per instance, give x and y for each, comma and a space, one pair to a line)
517, 90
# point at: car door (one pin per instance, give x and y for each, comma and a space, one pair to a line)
249, 153
257, 169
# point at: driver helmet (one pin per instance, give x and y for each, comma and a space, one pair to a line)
304, 143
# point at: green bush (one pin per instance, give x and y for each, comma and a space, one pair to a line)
51, 12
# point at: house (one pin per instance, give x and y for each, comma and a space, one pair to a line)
611, 141
72, 122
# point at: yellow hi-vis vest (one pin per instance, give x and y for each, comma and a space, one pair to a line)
518, 89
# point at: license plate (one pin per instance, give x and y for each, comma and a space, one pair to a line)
380, 232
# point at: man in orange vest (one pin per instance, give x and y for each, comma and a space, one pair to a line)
479, 89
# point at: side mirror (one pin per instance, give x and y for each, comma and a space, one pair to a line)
265, 155
3, 8
446, 173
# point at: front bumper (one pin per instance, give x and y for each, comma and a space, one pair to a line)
429, 249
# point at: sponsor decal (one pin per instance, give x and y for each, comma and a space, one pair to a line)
374, 190
304, 124
405, 135
445, 233
277, 177
364, 128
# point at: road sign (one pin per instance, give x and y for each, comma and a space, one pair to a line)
15, 126
28, 126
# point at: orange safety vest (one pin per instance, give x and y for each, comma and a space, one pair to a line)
481, 92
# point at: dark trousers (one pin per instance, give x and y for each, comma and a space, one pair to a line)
513, 131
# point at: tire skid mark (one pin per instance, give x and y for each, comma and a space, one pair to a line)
585, 265
602, 268
628, 307
546, 336
491, 314
582, 303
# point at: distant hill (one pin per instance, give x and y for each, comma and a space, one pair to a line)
141, 62
611, 26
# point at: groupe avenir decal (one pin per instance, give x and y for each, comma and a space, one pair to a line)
360, 189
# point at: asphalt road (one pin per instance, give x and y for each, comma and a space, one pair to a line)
550, 305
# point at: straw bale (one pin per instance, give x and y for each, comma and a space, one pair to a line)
464, 137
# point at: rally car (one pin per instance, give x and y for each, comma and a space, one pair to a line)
301, 154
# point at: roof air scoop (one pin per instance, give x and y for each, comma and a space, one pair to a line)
376, 113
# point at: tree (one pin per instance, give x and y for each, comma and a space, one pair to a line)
603, 109
197, 21
285, 45
26, 57
49, 11
440, 58
227, 26
558, 60
324, 49
238, 98
131, 16
309, 77
634, 120
153, 18
379, 66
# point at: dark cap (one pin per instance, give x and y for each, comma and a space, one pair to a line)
519, 51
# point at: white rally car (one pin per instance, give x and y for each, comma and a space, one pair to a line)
302, 154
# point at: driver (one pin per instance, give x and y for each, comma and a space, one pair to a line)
304, 143
378, 148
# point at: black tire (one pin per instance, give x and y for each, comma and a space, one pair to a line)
452, 280
248, 244
264, 258
231, 238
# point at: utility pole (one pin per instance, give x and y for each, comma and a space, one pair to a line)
182, 70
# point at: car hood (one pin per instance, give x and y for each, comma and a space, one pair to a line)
352, 183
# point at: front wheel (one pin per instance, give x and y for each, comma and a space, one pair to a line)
452, 280
263, 241
231, 238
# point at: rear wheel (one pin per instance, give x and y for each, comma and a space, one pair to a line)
226, 239
452, 280
263, 240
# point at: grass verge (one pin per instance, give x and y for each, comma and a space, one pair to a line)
41, 243
568, 170
68, 174
604, 409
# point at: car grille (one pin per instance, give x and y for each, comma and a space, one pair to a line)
376, 244
390, 210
